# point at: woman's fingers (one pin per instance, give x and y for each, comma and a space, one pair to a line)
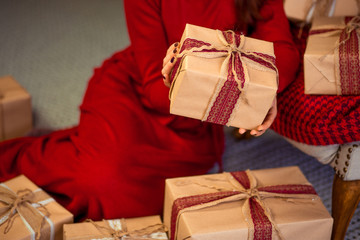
169, 62
269, 119
171, 52
167, 70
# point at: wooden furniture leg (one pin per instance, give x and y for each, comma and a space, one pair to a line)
345, 198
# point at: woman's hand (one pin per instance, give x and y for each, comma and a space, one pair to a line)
169, 62
269, 119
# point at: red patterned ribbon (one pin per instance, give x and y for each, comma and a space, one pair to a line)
226, 97
349, 67
259, 214
348, 55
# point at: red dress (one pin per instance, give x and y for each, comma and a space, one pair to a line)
114, 163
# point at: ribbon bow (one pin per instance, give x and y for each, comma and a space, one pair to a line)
25, 203
352, 25
232, 49
257, 215
119, 231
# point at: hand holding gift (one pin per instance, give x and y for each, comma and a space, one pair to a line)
223, 78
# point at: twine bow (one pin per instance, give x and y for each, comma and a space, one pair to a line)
352, 25
25, 203
232, 49
332, 30
122, 231
257, 215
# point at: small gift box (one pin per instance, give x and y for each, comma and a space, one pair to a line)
305, 10
15, 109
223, 78
27, 212
346, 8
141, 228
269, 204
331, 59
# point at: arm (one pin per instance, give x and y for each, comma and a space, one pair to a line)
275, 28
149, 43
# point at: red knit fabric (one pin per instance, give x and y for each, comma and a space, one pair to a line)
114, 163
316, 119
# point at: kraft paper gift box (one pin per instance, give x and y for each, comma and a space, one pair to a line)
34, 210
258, 204
223, 78
305, 10
331, 59
149, 227
15, 109
346, 8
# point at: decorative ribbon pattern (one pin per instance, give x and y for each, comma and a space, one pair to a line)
117, 230
346, 51
26, 204
234, 71
258, 216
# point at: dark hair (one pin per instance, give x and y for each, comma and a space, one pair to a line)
247, 13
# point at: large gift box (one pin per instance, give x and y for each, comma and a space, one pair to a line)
27, 212
15, 109
223, 78
331, 59
272, 204
149, 227
305, 10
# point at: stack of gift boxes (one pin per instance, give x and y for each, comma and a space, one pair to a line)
273, 204
331, 59
216, 78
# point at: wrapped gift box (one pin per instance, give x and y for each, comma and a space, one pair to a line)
205, 87
15, 109
346, 8
331, 59
40, 210
305, 10
149, 227
227, 206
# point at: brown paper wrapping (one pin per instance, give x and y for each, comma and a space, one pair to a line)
346, 8
297, 219
15, 109
320, 60
305, 10
88, 230
197, 81
58, 214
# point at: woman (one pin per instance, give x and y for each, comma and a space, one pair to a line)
321, 126
114, 163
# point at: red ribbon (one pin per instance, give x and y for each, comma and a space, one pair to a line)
262, 225
349, 61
